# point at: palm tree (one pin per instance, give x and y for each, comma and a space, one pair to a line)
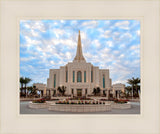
128, 90
32, 90
21, 82
26, 81
134, 83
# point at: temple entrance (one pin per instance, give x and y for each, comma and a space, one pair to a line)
79, 92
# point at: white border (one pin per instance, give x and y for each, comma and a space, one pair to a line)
146, 11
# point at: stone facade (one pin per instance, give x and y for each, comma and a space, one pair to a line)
79, 77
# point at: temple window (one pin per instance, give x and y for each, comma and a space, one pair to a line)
103, 81
54, 80
91, 76
79, 76
73, 76
84, 76
66, 76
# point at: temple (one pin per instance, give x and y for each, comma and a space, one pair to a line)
80, 78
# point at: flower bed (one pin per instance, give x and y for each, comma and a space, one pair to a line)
79, 102
80, 98
120, 101
39, 101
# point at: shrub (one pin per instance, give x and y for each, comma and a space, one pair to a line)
39, 101
120, 101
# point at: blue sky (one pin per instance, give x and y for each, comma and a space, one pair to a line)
109, 44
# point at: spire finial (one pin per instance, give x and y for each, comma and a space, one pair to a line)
79, 54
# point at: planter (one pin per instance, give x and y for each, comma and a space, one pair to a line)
80, 107
121, 105
37, 105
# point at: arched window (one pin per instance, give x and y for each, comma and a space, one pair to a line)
103, 81
79, 76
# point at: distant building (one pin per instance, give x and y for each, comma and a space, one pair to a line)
41, 88
117, 88
79, 77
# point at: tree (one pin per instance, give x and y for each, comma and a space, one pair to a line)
62, 90
96, 91
26, 81
21, 82
128, 91
59, 89
134, 83
32, 91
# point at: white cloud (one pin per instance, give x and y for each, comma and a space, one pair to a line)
52, 62
58, 32
31, 41
116, 52
109, 43
121, 45
121, 56
27, 58
74, 22
134, 47
68, 42
36, 34
89, 24
106, 34
125, 35
88, 55
123, 24
138, 32
96, 43
68, 55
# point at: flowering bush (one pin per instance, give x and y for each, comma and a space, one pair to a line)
79, 102
39, 101
80, 98
120, 101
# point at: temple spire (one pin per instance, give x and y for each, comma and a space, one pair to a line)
79, 54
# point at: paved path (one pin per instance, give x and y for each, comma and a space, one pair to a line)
24, 109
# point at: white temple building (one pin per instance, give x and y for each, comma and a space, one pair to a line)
80, 77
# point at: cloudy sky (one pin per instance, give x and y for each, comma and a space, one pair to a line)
109, 44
